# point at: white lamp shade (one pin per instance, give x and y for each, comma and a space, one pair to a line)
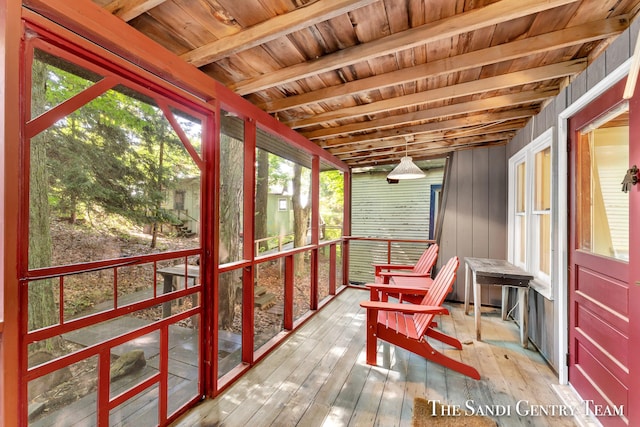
406, 170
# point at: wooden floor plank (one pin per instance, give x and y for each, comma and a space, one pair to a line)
319, 376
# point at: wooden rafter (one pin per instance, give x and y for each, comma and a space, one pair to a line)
518, 78
357, 77
480, 130
501, 101
504, 52
272, 29
129, 9
439, 126
492, 14
427, 151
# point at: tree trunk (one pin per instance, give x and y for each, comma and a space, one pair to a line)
154, 227
262, 195
42, 302
231, 203
300, 219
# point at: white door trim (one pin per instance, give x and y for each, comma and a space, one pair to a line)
562, 307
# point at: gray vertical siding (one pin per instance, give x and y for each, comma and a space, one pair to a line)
475, 219
543, 313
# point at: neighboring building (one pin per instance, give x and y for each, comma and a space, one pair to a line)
183, 202
279, 214
394, 211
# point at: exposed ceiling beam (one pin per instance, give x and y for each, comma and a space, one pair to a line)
504, 52
518, 78
426, 150
271, 29
495, 13
428, 154
490, 128
495, 102
470, 120
129, 9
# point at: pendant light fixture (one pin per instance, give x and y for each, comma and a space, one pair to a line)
406, 169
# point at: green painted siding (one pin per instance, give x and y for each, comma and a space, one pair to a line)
399, 211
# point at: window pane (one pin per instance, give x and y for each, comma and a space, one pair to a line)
102, 178
544, 244
282, 180
331, 204
231, 187
520, 187
268, 302
230, 322
520, 246
55, 80
603, 210
542, 192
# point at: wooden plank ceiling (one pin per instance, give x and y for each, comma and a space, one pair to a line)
369, 80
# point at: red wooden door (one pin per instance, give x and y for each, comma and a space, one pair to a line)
599, 342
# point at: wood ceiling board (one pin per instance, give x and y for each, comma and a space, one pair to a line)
471, 60
413, 149
155, 31
364, 78
444, 111
181, 23
449, 92
478, 18
443, 125
245, 12
209, 18
271, 29
130, 9
421, 141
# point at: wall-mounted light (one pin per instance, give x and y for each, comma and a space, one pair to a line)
406, 169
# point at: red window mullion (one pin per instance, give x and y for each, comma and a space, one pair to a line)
104, 385
288, 292
332, 268
164, 374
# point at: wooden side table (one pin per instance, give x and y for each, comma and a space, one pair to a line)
497, 272
181, 271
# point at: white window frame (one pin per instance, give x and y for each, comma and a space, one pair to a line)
283, 204
542, 282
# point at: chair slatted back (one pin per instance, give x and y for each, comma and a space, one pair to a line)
427, 260
442, 285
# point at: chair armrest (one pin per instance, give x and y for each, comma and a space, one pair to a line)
403, 308
380, 267
403, 274
398, 266
416, 290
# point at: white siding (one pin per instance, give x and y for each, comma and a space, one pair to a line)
398, 211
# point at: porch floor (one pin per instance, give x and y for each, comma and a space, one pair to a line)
318, 376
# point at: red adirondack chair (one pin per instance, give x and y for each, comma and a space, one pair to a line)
408, 276
422, 268
409, 325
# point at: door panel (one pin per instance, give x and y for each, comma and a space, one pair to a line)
598, 255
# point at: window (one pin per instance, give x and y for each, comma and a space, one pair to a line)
530, 211
178, 200
283, 205
602, 209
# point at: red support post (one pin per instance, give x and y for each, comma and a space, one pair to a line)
248, 326
315, 235
313, 274
346, 227
164, 374
209, 265
10, 34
